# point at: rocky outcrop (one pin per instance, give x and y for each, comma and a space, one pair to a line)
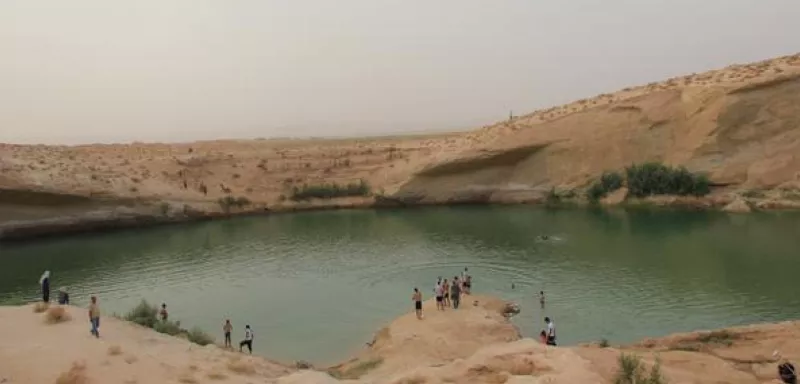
738, 206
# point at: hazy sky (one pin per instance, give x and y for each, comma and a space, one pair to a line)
96, 70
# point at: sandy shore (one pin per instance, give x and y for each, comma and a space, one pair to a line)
475, 344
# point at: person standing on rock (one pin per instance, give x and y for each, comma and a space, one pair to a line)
248, 339
417, 299
227, 329
45, 282
455, 292
551, 332
94, 316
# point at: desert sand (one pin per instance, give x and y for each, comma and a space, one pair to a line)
475, 344
740, 125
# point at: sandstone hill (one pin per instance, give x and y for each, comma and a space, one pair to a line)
740, 125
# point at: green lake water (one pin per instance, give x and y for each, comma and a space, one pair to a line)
316, 286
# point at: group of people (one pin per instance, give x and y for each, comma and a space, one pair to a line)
447, 293
163, 315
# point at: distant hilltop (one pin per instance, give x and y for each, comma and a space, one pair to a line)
738, 127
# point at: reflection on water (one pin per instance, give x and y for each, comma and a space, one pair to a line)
316, 285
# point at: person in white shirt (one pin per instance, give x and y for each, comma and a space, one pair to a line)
551, 331
439, 290
248, 339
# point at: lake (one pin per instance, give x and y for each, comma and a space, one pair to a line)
317, 285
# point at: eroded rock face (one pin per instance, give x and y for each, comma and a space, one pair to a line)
577, 147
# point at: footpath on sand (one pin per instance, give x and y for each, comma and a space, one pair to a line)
474, 344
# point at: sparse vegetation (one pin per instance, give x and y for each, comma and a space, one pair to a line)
240, 366
227, 202
609, 182
603, 343
75, 375
145, 315
658, 179
753, 194
722, 337
357, 370
330, 191
164, 208
552, 197
114, 350
40, 307
172, 328
214, 375
197, 336
630, 370
57, 314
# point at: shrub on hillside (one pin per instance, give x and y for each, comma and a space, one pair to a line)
658, 179
143, 314
229, 201
608, 182
330, 191
57, 314
197, 336
171, 328
630, 370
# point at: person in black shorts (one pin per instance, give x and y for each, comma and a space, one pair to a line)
417, 299
227, 328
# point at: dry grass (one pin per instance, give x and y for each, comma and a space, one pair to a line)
187, 378
57, 314
241, 366
40, 307
130, 359
114, 350
75, 375
416, 379
214, 375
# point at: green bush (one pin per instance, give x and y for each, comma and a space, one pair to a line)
330, 191
658, 179
229, 201
608, 182
143, 314
197, 336
171, 328
552, 198
630, 370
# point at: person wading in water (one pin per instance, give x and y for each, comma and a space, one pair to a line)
417, 299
